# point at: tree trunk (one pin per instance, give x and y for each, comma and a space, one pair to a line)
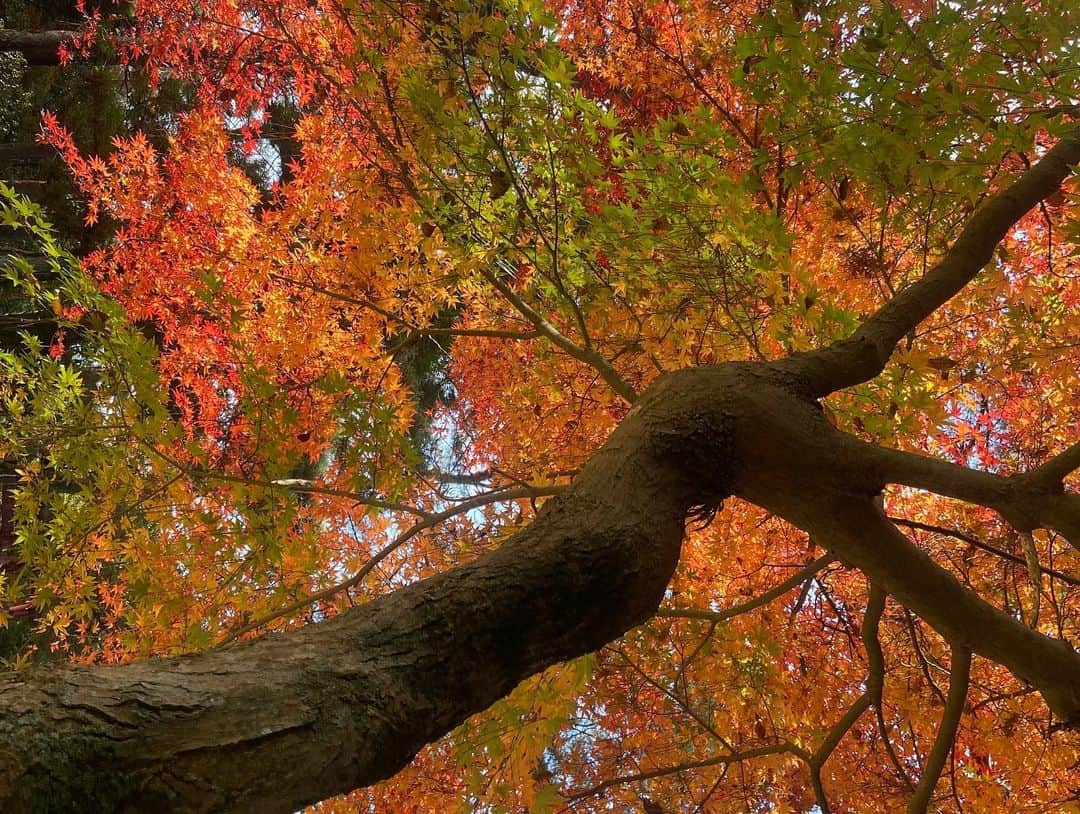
290, 719
25, 152
38, 47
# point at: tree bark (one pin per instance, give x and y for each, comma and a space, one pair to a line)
291, 719
25, 152
38, 47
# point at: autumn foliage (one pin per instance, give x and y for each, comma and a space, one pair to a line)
550, 206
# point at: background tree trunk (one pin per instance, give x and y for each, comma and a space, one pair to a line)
38, 47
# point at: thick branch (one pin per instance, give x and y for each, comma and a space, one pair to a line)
857, 532
287, 720
1052, 473
864, 354
801, 470
1027, 501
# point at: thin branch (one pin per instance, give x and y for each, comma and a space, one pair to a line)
875, 681
386, 551
924, 663
414, 332
719, 760
863, 355
467, 478
977, 543
1034, 569
309, 487
293, 484
875, 606
683, 704
586, 355
791, 582
489, 333
946, 736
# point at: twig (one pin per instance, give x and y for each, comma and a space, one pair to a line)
977, 543
795, 579
397, 542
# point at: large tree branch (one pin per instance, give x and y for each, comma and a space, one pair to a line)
1028, 501
1052, 474
864, 354
804, 471
277, 723
855, 530
288, 720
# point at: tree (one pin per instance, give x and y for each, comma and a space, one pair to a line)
812, 262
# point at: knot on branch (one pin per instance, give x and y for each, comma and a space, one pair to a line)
699, 449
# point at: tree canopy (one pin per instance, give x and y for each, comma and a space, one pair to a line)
653, 405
